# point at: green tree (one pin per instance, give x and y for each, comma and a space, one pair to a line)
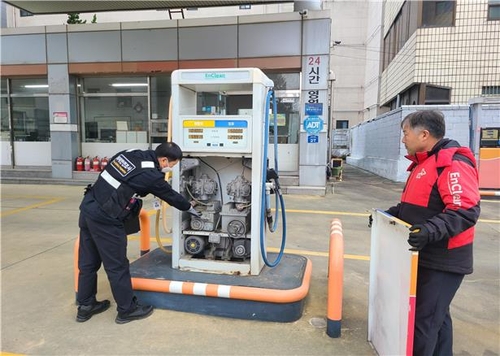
74, 18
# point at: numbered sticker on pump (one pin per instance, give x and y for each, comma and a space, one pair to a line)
156, 203
228, 134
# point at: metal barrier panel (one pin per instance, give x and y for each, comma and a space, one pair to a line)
392, 292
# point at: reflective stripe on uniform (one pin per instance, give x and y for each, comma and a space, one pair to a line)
147, 164
110, 179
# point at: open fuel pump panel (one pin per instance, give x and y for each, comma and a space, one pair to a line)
220, 119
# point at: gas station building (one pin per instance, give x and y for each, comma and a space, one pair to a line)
93, 90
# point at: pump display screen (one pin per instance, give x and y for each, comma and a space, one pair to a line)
225, 134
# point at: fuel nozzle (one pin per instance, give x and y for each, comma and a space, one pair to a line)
272, 176
269, 215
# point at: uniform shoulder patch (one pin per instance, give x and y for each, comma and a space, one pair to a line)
122, 165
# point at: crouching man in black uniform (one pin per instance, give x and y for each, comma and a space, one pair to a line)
105, 209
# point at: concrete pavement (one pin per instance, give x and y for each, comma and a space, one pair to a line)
39, 227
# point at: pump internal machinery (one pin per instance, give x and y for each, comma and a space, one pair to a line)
221, 230
220, 120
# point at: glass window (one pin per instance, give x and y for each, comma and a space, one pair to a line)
30, 118
491, 90
3, 86
114, 85
160, 98
30, 109
114, 109
4, 123
436, 95
287, 120
342, 124
285, 81
494, 10
29, 86
438, 13
286, 86
25, 13
115, 119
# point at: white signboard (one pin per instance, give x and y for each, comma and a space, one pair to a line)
393, 281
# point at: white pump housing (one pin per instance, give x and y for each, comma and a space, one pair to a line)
218, 121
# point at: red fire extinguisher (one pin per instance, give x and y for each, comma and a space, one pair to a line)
87, 163
96, 164
104, 163
79, 163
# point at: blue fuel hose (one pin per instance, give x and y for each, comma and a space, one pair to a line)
279, 196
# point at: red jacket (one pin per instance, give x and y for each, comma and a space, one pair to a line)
442, 192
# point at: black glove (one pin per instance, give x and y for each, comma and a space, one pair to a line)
193, 212
370, 220
418, 237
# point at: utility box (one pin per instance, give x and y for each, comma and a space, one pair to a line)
336, 166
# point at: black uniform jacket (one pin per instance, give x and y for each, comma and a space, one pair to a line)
130, 172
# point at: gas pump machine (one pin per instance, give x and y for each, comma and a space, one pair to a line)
223, 171
489, 158
218, 263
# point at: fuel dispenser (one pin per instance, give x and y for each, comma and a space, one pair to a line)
222, 170
489, 158
218, 260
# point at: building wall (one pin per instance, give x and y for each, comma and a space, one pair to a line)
15, 20
463, 57
391, 9
280, 42
3, 14
400, 74
376, 145
348, 59
373, 60
86, 46
355, 93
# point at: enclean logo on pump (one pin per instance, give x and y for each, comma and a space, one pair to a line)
215, 75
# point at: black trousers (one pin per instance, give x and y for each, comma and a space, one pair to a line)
106, 244
433, 326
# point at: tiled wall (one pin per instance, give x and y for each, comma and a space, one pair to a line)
401, 72
391, 9
464, 57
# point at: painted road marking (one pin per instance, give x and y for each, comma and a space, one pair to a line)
32, 206
324, 212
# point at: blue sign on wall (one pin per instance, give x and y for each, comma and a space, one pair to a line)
313, 125
312, 139
314, 109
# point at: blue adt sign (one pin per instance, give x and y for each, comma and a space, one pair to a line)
313, 125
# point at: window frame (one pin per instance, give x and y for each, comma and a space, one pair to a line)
428, 3
493, 4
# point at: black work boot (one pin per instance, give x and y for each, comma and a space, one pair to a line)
85, 312
139, 312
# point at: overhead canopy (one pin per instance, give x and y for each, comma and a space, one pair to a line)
63, 7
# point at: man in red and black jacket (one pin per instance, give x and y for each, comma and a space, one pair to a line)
441, 202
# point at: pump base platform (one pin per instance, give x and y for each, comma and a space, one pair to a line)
276, 294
